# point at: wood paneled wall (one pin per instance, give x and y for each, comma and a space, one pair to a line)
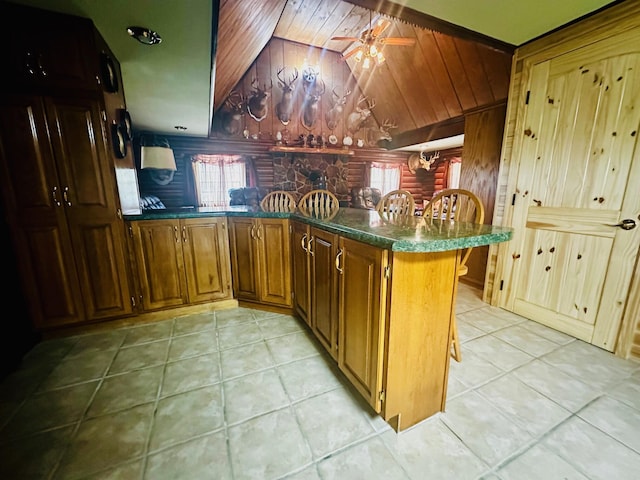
479, 173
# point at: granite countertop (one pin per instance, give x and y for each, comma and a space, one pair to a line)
412, 234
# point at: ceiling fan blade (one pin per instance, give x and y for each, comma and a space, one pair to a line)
397, 41
380, 27
350, 39
351, 53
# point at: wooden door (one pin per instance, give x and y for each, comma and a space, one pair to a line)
89, 196
35, 213
324, 285
244, 258
159, 258
300, 238
206, 259
578, 177
275, 261
360, 346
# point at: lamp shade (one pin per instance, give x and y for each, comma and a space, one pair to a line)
157, 157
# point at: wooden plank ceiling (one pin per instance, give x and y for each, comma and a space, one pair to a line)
419, 87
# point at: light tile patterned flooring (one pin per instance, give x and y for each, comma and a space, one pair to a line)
245, 394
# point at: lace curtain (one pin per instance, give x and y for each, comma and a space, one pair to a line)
215, 175
384, 176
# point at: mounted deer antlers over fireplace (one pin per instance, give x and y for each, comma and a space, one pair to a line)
356, 119
232, 113
337, 106
313, 93
257, 104
284, 107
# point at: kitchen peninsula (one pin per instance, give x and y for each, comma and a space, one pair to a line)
378, 295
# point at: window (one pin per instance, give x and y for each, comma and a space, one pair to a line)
454, 172
384, 176
215, 175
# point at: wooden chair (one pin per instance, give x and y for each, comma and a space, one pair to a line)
396, 203
278, 201
459, 205
319, 204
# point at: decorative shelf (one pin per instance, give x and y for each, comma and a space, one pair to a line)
326, 151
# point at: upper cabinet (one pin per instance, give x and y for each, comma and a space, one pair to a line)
47, 50
58, 164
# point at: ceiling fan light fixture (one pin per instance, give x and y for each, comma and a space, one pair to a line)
366, 63
358, 56
144, 35
373, 51
380, 58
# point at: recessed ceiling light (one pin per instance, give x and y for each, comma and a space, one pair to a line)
144, 35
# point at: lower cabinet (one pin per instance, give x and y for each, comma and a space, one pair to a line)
261, 260
181, 262
315, 280
362, 307
384, 316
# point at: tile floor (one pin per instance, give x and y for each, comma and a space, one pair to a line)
245, 394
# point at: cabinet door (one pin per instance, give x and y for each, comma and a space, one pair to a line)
35, 214
159, 258
89, 197
275, 261
244, 258
361, 317
324, 285
299, 246
206, 259
47, 50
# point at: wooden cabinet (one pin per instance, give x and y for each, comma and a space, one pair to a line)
316, 282
300, 236
362, 307
46, 50
181, 261
261, 260
384, 316
60, 203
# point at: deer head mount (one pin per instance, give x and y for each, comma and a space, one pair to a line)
284, 107
420, 161
313, 90
232, 112
334, 114
257, 103
380, 133
360, 114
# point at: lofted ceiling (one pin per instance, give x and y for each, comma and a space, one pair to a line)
460, 60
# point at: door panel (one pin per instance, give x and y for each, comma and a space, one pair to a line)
324, 308
578, 176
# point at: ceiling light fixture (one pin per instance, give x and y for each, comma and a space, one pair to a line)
144, 35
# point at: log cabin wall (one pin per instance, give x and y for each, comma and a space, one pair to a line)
275, 170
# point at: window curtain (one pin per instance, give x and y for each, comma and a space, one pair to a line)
455, 165
384, 176
215, 175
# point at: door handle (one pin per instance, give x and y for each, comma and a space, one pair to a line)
626, 224
340, 270
309, 245
302, 241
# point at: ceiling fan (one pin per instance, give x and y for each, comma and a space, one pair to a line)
371, 43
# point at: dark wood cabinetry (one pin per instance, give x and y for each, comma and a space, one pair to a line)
261, 260
46, 50
61, 206
59, 185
